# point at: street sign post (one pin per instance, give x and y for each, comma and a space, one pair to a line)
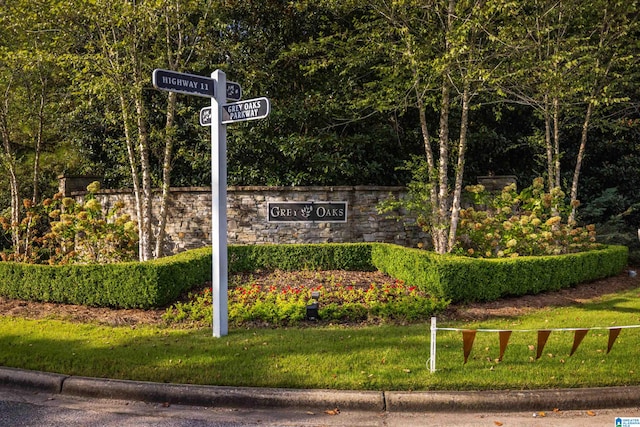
219, 90
219, 268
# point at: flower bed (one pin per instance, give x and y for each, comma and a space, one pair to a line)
281, 298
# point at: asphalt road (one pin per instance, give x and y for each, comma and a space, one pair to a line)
23, 407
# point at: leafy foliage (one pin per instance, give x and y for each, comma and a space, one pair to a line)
510, 224
62, 231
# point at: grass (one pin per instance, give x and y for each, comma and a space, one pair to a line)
385, 357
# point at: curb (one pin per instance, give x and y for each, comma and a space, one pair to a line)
43, 381
392, 401
217, 396
514, 400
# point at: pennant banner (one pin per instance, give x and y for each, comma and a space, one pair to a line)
542, 341
467, 342
469, 335
504, 340
577, 339
613, 334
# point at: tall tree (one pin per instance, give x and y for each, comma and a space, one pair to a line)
573, 57
605, 67
31, 53
127, 41
434, 57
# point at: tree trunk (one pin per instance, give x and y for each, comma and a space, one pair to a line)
145, 168
548, 144
440, 224
579, 158
133, 164
462, 146
166, 173
8, 161
38, 148
556, 141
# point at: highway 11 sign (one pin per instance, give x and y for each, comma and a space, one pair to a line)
189, 84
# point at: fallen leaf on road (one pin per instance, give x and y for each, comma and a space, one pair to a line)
591, 413
498, 423
332, 411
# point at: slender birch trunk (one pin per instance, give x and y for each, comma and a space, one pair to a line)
166, 174
462, 147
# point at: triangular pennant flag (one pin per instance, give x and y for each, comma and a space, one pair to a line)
504, 340
613, 334
467, 342
577, 339
542, 341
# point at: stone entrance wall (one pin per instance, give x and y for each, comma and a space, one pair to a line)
189, 221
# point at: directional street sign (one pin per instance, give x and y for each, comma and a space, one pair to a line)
250, 109
220, 91
189, 84
234, 91
205, 116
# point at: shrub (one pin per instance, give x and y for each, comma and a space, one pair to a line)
330, 256
62, 231
532, 222
122, 285
160, 282
465, 279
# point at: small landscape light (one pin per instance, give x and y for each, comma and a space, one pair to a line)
312, 309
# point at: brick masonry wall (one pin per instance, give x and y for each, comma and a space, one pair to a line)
189, 220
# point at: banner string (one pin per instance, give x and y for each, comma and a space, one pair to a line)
540, 329
469, 335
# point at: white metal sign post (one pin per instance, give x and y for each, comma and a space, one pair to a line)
219, 90
219, 279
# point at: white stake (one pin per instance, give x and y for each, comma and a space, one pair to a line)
432, 359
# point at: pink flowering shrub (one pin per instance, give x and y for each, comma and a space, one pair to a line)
511, 224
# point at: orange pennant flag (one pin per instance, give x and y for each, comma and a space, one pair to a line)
577, 339
542, 341
613, 334
504, 340
468, 337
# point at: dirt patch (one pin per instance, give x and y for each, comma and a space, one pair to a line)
477, 311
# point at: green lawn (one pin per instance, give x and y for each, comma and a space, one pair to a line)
386, 357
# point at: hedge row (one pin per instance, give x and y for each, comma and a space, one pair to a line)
463, 279
158, 283
337, 256
125, 285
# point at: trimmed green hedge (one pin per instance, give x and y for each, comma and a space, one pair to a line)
125, 285
331, 256
158, 283
463, 279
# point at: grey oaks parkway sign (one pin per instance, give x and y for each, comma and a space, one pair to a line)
250, 109
218, 115
307, 211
